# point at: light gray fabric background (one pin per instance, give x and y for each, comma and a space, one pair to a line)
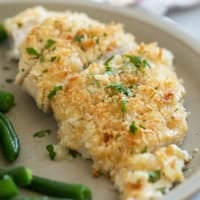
189, 19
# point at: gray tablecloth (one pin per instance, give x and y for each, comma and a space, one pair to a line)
189, 19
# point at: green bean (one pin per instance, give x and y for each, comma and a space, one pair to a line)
7, 188
8, 138
38, 198
60, 189
3, 34
21, 175
7, 101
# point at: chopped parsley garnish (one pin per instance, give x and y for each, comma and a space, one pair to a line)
50, 149
133, 128
53, 92
144, 150
44, 71
118, 87
97, 40
73, 153
49, 43
5, 68
123, 106
53, 58
32, 52
162, 190
185, 169
19, 24
9, 80
154, 176
107, 64
42, 59
176, 109
78, 38
138, 61
42, 133
117, 136
35, 54
105, 34
141, 126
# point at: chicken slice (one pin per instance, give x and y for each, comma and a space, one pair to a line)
19, 26
101, 107
115, 115
61, 47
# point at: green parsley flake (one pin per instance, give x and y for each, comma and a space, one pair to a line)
138, 61
123, 106
141, 126
118, 87
50, 149
53, 58
144, 150
73, 153
78, 38
105, 34
9, 80
44, 71
42, 133
97, 40
185, 169
154, 176
107, 64
19, 24
35, 54
176, 109
42, 59
5, 68
54, 91
49, 43
133, 128
162, 190
32, 52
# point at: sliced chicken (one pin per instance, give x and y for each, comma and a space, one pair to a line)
104, 105
61, 47
116, 102
123, 113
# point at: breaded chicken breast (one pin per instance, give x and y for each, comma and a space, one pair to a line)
133, 99
117, 102
121, 113
61, 47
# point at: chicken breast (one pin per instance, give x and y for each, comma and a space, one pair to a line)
121, 113
117, 102
138, 101
64, 46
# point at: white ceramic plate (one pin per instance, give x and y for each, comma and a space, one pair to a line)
28, 119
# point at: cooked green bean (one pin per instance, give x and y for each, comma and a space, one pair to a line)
21, 175
7, 101
3, 34
60, 189
7, 188
38, 198
8, 139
